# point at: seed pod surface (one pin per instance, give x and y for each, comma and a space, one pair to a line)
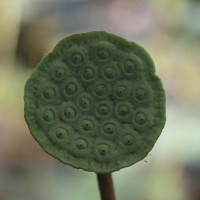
95, 102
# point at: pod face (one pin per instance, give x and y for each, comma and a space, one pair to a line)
95, 102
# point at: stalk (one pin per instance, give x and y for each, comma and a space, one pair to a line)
106, 187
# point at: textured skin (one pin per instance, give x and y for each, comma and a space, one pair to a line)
95, 102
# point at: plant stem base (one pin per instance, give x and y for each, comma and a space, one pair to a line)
106, 187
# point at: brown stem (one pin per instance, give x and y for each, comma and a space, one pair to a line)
106, 187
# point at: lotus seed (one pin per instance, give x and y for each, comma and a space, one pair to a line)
61, 133
49, 93
129, 67
121, 91
140, 94
69, 112
81, 144
123, 110
77, 58
48, 115
127, 140
109, 128
59, 72
85, 102
141, 118
87, 74
100, 90
103, 149
103, 109
103, 54
110, 73
87, 125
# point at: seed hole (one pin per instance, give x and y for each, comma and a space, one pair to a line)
141, 118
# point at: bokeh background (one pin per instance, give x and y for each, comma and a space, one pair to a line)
169, 30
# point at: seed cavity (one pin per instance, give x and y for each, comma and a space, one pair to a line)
103, 149
71, 88
141, 118
88, 73
110, 73
81, 144
109, 128
101, 90
129, 67
140, 94
49, 93
127, 140
121, 91
69, 112
48, 115
87, 125
103, 54
61, 133
85, 102
76, 58
103, 110
123, 110
59, 73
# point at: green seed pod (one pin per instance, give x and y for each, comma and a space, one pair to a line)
95, 102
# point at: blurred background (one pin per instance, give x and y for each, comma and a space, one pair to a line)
169, 30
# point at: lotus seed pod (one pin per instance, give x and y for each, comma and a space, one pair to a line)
95, 103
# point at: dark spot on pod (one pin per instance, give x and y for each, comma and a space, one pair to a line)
48, 115
85, 102
76, 58
110, 73
122, 89
87, 74
129, 67
87, 125
123, 110
49, 93
127, 140
140, 94
103, 149
103, 109
71, 88
61, 133
59, 73
109, 128
70, 112
100, 90
81, 144
58, 70
141, 118
103, 54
